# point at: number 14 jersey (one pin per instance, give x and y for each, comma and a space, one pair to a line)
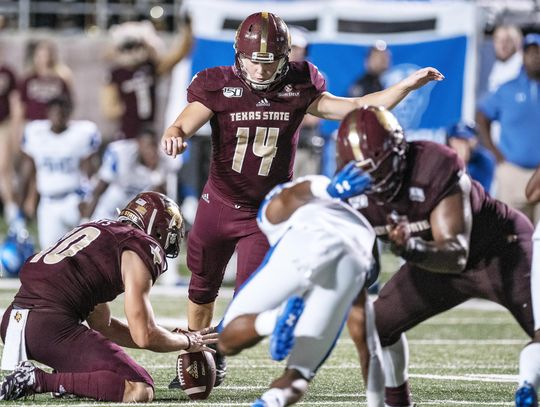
254, 134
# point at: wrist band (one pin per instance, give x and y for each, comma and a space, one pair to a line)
318, 187
188, 340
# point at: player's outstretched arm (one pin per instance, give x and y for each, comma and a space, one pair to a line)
451, 225
348, 182
145, 332
328, 106
101, 320
194, 115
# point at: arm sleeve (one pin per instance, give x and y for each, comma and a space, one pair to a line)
149, 251
197, 92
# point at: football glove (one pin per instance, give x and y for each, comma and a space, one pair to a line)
348, 182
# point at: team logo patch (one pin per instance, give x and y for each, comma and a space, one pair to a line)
288, 91
18, 316
206, 198
230, 92
263, 102
416, 194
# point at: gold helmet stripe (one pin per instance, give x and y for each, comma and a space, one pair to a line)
354, 141
264, 33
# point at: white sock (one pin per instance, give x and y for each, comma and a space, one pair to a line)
529, 365
396, 361
375, 382
274, 397
265, 322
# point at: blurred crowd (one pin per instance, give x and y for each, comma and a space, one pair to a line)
58, 172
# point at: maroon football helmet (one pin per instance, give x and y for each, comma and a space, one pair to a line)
373, 138
264, 38
158, 216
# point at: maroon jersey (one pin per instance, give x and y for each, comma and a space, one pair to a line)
7, 85
433, 171
137, 89
254, 134
83, 268
38, 91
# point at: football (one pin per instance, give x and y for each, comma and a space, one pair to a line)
196, 373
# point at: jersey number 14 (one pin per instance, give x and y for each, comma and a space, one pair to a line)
264, 146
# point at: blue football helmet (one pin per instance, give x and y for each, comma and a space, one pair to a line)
17, 247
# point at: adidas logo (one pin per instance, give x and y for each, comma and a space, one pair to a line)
193, 370
263, 102
206, 198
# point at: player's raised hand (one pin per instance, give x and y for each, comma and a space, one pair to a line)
348, 182
422, 77
172, 141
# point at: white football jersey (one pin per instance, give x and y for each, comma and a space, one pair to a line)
57, 157
121, 167
335, 221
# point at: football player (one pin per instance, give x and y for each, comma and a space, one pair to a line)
129, 167
321, 253
72, 281
255, 108
57, 153
457, 242
529, 360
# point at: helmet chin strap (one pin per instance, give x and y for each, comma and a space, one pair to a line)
262, 85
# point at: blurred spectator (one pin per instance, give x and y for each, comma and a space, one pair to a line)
376, 63
310, 142
130, 94
57, 154
507, 41
9, 127
480, 162
47, 79
129, 167
516, 106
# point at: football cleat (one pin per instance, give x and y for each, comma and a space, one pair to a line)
282, 339
526, 396
221, 366
175, 383
19, 383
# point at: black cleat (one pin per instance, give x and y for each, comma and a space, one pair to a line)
19, 383
174, 384
221, 368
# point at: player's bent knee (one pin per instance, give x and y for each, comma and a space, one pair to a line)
138, 392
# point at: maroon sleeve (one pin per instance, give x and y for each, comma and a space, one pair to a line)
444, 172
317, 78
197, 90
149, 251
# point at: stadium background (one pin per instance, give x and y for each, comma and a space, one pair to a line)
464, 357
